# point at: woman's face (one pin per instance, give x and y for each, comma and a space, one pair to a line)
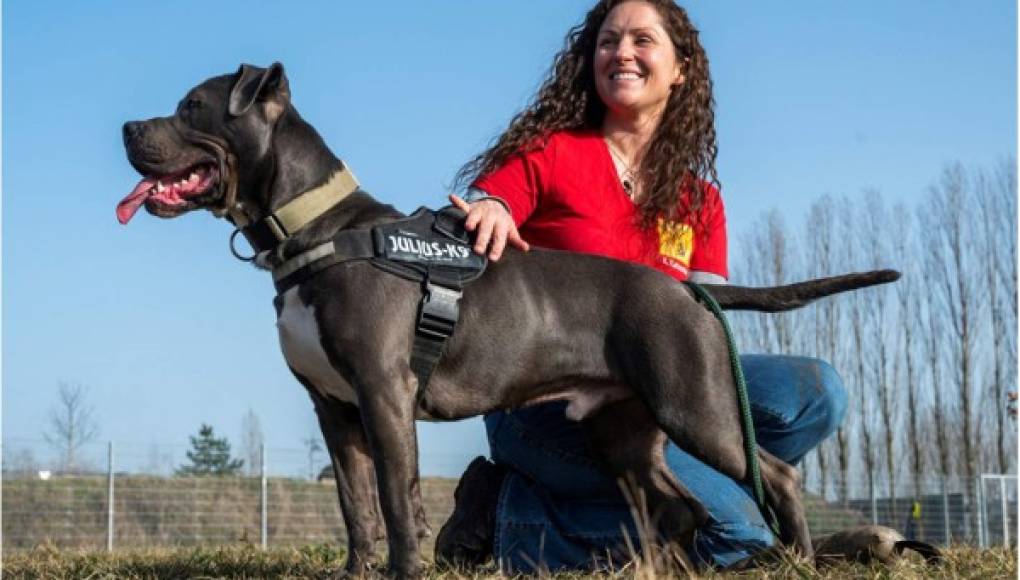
635, 62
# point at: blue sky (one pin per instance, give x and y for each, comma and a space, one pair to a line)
169, 331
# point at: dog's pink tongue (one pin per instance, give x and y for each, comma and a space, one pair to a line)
129, 205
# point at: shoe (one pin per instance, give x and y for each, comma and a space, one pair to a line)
869, 543
465, 540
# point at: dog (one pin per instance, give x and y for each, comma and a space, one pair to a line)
621, 342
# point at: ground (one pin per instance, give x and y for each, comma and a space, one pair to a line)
248, 561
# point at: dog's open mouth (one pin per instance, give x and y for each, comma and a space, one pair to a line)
168, 192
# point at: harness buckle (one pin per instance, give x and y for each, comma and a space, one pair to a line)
439, 311
275, 227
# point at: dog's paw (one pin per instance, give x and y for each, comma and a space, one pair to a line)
361, 564
866, 544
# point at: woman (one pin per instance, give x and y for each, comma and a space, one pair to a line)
616, 156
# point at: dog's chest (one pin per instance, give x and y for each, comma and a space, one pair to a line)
301, 342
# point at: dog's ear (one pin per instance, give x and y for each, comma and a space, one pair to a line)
267, 86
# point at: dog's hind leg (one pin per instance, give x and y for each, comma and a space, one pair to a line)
354, 470
686, 380
674, 512
781, 482
715, 439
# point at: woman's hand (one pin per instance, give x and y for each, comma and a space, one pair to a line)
492, 225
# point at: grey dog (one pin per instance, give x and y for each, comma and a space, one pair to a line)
624, 344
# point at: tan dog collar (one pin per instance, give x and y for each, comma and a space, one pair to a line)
267, 233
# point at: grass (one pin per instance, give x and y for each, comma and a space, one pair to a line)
320, 561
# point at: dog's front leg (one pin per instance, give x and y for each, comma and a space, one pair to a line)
354, 470
387, 401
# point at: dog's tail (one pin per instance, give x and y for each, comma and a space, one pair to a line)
780, 298
931, 554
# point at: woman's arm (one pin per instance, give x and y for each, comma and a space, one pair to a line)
699, 277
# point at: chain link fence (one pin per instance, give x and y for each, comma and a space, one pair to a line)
938, 510
128, 496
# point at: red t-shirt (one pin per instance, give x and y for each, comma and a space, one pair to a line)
567, 196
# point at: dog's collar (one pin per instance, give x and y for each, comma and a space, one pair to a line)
267, 233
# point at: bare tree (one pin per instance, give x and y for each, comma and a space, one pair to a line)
903, 252
933, 327
991, 256
313, 444
820, 232
252, 441
875, 219
19, 462
858, 375
72, 424
777, 265
954, 281
753, 328
1004, 191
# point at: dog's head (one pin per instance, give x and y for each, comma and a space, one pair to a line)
217, 143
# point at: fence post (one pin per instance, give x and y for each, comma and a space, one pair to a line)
109, 497
874, 502
264, 498
1005, 510
945, 511
982, 513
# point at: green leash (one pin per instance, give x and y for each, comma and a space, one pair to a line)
747, 422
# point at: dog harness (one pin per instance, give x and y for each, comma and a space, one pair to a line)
428, 247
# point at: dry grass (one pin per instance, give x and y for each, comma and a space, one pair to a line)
322, 561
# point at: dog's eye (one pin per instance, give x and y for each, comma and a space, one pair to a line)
192, 105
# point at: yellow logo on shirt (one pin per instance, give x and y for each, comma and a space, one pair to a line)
676, 241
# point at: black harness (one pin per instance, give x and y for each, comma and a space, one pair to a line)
429, 247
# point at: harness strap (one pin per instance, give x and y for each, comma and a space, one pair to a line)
437, 317
304, 259
347, 245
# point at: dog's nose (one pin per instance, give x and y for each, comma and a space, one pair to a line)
132, 129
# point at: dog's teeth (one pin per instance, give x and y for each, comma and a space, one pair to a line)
193, 177
160, 187
182, 182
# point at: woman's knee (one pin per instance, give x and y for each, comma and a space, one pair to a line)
797, 402
831, 404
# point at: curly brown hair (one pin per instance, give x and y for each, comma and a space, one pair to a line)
682, 150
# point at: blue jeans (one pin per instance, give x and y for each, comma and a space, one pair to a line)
560, 509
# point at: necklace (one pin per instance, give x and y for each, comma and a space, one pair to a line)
627, 177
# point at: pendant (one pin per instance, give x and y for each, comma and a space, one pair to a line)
628, 187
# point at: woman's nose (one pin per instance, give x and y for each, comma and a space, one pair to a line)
624, 51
